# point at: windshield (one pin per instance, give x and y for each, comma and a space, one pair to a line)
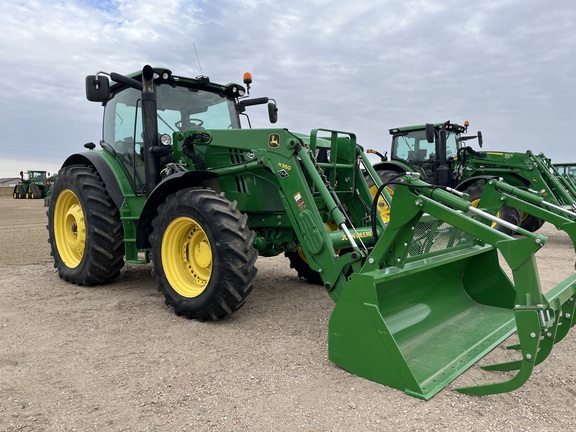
413, 146
179, 108
37, 175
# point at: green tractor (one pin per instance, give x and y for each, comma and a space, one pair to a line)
419, 298
35, 186
440, 155
566, 171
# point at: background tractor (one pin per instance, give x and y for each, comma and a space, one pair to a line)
418, 299
440, 155
567, 169
36, 185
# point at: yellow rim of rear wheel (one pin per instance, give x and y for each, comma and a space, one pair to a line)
186, 257
69, 228
383, 208
476, 203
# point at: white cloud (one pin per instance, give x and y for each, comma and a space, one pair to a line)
507, 66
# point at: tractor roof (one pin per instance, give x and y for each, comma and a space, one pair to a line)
404, 129
200, 82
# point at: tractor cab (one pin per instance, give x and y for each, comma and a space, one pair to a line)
429, 150
411, 145
179, 104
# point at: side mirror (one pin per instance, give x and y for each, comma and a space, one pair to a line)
272, 112
430, 135
480, 139
97, 88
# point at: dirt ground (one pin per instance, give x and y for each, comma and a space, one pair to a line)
115, 358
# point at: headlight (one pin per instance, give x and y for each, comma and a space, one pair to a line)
165, 139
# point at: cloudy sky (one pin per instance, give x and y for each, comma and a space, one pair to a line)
507, 66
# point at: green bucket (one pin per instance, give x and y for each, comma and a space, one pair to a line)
419, 327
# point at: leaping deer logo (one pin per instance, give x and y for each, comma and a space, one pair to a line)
274, 140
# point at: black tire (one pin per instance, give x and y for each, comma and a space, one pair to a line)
84, 228
530, 223
385, 175
34, 191
298, 263
507, 213
21, 191
203, 254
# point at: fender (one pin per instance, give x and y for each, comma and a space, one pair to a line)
166, 187
96, 159
396, 166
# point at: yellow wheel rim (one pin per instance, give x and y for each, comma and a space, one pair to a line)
476, 203
69, 228
383, 208
186, 257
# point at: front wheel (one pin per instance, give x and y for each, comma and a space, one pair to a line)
299, 263
203, 254
84, 228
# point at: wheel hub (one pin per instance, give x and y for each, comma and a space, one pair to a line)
69, 228
186, 256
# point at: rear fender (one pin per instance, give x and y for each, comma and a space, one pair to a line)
166, 187
95, 159
398, 167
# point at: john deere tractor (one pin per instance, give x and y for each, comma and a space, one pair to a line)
440, 155
418, 298
35, 186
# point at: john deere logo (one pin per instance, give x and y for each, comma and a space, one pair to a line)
274, 140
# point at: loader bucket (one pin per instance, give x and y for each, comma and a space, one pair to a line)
432, 299
418, 328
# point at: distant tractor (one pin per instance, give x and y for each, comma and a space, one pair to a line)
35, 186
439, 154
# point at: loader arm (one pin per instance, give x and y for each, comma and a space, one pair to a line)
312, 192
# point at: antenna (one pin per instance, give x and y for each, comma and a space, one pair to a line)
198, 58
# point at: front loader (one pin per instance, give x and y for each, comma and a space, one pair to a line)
419, 298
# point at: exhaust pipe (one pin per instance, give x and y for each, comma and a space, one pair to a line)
150, 126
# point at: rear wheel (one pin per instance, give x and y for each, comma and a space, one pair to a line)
506, 213
203, 254
34, 191
84, 228
385, 176
530, 223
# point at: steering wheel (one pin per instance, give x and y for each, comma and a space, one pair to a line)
194, 123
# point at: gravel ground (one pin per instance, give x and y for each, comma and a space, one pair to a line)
114, 358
